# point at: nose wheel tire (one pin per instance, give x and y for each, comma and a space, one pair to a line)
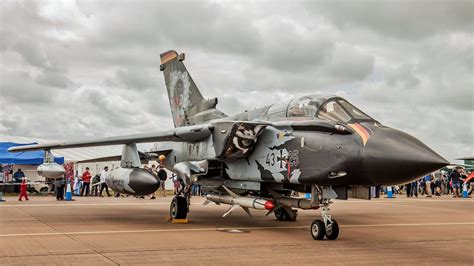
318, 230
179, 208
332, 230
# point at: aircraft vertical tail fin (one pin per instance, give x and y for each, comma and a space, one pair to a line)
188, 106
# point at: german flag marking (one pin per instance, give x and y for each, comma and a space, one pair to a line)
361, 131
168, 56
366, 127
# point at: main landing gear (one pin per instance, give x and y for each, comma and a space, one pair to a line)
286, 214
327, 227
179, 206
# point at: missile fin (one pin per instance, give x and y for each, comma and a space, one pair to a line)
231, 209
206, 202
246, 210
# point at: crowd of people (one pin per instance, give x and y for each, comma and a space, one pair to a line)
439, 183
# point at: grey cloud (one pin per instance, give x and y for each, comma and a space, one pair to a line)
31, 53
20, 86
349, 64
118, 107
402, 75
285, 48
156, 102
136, 78
54, 79
20, 23
21, 15
407, 20
201, 25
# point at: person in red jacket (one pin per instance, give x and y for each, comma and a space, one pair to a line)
23, 190
86, 180
470, 177
470, 180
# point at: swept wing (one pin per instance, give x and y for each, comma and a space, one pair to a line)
189, 134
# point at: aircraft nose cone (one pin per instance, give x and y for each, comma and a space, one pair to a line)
393, 157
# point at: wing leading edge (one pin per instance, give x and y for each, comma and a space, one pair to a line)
187, 134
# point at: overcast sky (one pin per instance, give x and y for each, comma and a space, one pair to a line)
83, 69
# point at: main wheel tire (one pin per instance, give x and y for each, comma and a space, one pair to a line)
286, 214
178, 208
281, 214
318, 230
292, 217
332, 232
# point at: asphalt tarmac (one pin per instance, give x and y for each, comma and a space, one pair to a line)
134, 231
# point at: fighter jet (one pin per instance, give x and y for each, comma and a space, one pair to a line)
317, 144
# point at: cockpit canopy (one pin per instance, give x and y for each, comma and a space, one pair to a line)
328, 107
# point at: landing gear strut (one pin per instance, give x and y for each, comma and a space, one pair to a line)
326, 227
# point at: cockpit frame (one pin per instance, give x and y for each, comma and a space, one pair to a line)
314, 106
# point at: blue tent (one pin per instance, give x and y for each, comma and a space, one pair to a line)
27, 157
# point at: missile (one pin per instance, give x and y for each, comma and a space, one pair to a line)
239, 201
247, 202
300, 203
50, 170
133, 181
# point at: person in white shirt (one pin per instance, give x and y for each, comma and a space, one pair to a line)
76, 187
103, 185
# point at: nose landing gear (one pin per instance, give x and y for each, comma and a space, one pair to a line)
326, 227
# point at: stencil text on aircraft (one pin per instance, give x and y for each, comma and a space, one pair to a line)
282, 159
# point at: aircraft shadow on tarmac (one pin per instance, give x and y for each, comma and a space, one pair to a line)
157, 219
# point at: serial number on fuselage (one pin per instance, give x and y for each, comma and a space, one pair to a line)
278, 157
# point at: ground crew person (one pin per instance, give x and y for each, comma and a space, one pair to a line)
60, 183
86, 180
103, 176
162, 175
17, 177
470, 180
23, 190
95, 187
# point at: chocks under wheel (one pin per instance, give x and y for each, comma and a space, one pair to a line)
176, 221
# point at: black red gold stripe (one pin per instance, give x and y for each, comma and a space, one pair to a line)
168, 56
361, 131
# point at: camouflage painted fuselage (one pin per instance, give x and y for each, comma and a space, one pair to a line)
300, 157
315, 139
